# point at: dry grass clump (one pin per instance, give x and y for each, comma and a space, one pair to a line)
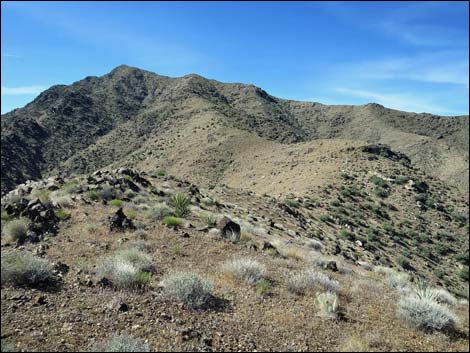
25, 269
128, 268
159, 212
248, 270
306, 280
188, 288
425, 313
17, 229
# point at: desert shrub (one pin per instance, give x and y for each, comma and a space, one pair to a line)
180, 203
6, 217
381, 192
127, 269
425, 313
25, 269
463, 258
172, 222
403, 262
401, 180
347, 235
463, 274
139, 199
93, 195
107, 193
396, 280
250, 271
131, 213
444, 297
8, 347
264, 286
325, 218
303, 281
141, 234
17, 229
314, 244
378, 181
121, 343
209, 219
188, 288
116, 202
159, 212
129, 194
71, 187
208, 201
327, 303
62, 214
422, 291
292, 203
421, 197
63, 201
161, 173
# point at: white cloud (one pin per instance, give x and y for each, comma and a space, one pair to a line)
400, 101
25, 90
434, 67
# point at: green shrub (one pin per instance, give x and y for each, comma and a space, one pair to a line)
381, 192
403, 262
189, 288
116, 202
25, 269
17, 229
172, 222
325, 218
463, 274
180, 203
401, 180
376, 180
463, 258
161, 173
62, 214
292, 203
93, 195
347, 235
6, 217
264, 286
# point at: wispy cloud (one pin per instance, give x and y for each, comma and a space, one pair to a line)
10, 55
400, 101
24, 90
447, 67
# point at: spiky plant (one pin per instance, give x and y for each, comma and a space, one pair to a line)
180, 202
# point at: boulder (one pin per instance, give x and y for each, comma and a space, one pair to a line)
229, 229
119, 221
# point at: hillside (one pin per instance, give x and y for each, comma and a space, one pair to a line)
132, 116
149, 213
368, 245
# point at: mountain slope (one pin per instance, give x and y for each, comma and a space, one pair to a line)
131, 114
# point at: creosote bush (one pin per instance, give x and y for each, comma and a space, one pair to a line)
180, 203
188, 288
121, 343
17, 229
250, 271
25, 269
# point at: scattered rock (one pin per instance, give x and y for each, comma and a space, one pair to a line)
229, 229
119, 221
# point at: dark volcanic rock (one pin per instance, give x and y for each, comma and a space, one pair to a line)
119, 221
229, 229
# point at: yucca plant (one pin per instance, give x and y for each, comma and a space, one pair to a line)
180, 202
423, 291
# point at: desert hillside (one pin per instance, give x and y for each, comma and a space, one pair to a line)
148, 213
192, 124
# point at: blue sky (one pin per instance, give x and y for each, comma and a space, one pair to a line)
405, 55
